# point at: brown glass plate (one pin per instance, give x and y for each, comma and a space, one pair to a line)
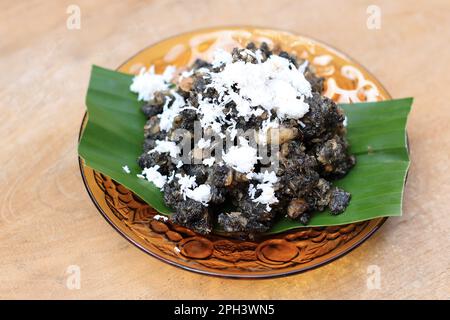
275, 255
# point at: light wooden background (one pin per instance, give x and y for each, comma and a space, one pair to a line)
47, 221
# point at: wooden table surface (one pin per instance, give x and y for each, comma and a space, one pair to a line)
48, 222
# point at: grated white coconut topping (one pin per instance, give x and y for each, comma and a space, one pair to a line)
209, 161
248, 53
170, 178
265, 127
274, 84
171, 109
202, 194
166, 146
241, 158
264, 177
186, 182
251, 191
267, 195
221, 57
146, 83
266, 185
186, 74
303, 66
160, 217
203, 144
211, 114
152, 174
232, 130
189, 189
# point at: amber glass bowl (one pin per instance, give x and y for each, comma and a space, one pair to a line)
275, 255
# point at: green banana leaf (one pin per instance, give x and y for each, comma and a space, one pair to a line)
113, 138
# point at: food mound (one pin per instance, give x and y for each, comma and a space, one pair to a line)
219, 177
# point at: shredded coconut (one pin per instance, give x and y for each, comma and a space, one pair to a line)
265, 176
160, 217
303, 66
186, 182
209, 161
232, 129
203, 144
166, 146
212, 115
202, 194
265, 127
170, 111
221, 57
267, 180
189, 188
170, 178
272, 84
146, 83
186, 74
251, 191
152, 174
241, 158
267, 195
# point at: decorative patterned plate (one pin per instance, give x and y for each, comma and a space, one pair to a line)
275, 255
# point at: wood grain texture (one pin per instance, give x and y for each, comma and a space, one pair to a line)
47, 221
